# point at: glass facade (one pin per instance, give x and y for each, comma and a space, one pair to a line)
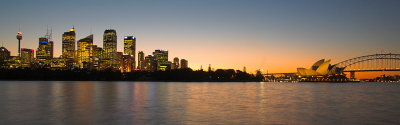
130, 49
151, 63
85, 53
27, 57
161, 57
110, 49
141, 61
68, 44
44, 53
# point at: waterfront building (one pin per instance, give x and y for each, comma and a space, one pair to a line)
27, 57
44, 53
110, 49
320, 68
151, 63
161, 57
68, 44
85, 53
130, 49
184, 64
141, 60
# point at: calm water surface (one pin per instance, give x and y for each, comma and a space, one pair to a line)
44, 102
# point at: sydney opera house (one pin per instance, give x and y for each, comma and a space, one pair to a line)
320, 68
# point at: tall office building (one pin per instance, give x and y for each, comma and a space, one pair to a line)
151, 63
161, 57
4, 54
184, 64
110, 49
68, 44
44, 53
129, 45
130, 49
119, 60
141, 60
27, 57
97, 56
85, 53
175, 64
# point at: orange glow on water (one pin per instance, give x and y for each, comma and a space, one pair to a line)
371, 75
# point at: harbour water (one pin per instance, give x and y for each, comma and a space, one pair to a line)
98, 102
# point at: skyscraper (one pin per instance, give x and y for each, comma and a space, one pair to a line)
141, 60
119, 60
85, 52
44, 52
184, 64
130, 49
129, 45
97, 56
27, 57
175, 64
151, 63
161, 57
110, 49
68, 44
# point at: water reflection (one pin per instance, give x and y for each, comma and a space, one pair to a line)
45, 102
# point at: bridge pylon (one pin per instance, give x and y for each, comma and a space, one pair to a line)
352, 75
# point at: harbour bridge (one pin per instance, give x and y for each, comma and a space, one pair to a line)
370, 63
367, 63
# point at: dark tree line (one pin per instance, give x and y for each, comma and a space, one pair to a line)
183, 75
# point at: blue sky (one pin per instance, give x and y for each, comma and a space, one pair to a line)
225, 33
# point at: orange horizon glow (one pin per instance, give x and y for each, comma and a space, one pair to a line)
253, 57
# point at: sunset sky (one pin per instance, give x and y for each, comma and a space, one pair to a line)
274, 35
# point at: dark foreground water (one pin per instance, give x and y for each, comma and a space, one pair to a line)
43, 102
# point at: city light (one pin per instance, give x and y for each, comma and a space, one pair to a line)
83, 54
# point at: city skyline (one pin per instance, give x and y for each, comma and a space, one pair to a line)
271, 35
83, 55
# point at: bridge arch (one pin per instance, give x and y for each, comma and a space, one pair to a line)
374, 62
